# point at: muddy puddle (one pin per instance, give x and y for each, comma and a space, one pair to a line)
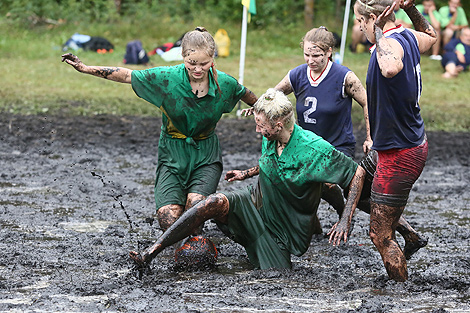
77, 195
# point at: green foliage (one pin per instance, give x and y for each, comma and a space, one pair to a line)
34, 81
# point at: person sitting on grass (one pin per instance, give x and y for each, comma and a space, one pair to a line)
456, 57
431, 14
274, 218
453, 19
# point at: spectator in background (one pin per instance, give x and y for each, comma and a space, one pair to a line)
401, 18
431, 14
453, 19
456, 56
359, 42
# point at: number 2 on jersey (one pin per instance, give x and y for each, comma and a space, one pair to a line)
312, 103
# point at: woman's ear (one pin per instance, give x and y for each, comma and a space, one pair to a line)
329, 53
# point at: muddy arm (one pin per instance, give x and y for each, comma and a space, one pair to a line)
341, 229
117, 74
284, 85
249, 97
356, 90
425, 33
389, 51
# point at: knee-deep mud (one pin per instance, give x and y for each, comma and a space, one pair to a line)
77, 196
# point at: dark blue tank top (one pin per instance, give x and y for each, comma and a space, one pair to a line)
394, 112
323, 106
452, 44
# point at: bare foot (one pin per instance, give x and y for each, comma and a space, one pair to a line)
138, 259
448, 75
411, 247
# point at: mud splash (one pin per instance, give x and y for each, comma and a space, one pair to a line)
77, 195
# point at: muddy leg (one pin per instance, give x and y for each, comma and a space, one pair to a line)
192, 200
215, 206
383, 222
168, 214
334, 196
413, 240
317, 225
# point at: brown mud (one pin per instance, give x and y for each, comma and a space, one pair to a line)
77, 196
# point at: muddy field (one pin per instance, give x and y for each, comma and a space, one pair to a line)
77, 195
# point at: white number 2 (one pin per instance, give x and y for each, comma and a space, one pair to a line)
312, 103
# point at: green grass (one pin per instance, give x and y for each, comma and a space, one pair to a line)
34, 81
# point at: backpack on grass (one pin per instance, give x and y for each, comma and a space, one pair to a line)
135, 53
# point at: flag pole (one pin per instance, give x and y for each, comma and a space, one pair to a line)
242, 53
345, 30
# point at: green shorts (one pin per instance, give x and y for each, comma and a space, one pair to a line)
248, 229
170, 190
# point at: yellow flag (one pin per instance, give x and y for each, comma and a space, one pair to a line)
250, 5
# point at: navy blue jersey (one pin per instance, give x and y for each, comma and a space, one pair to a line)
394, 112
323, 105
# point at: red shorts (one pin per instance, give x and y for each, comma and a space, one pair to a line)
397, 171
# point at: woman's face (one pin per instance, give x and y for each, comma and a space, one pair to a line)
197, 64
265, 128
465, 36
316, 58
366, 25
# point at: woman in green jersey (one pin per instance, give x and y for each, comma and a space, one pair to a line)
192, 97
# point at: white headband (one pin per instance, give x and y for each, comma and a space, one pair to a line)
366, 5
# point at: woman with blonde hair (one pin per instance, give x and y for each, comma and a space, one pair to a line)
272, 219
192, 97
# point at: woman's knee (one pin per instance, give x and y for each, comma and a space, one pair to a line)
217, 200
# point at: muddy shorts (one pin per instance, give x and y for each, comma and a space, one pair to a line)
397, 171
169, 190
248, 229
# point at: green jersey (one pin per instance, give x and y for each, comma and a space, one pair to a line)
291, 185
446, 17
436, 14
400, 14
188, 142
186, 115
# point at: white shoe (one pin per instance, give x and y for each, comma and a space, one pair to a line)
435, 57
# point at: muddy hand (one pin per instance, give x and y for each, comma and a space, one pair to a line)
367, 146
337, 232
247, 112
407, 4
235, 175
381, 19
74, 61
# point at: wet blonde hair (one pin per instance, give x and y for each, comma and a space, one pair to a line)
321, 37
275, 105
376, 7
200, 40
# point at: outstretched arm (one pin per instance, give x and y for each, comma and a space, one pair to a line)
356, 90
425, 33
117, 74
241, 175
341, 229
